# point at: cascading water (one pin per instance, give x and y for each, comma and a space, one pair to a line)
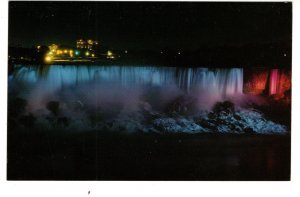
222, 82
274, 81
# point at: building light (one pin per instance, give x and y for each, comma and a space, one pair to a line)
87, 53
109, 53
93, 55
90, 41
57, 52
126, 51
48, 58
65, 51
77, 52
53, 47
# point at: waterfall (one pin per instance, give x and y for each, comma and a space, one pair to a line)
274, 81
220, 82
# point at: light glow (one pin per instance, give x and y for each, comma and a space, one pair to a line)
48, 58
274, 79
109, 53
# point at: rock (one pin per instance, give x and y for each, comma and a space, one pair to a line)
226, 106
149, 130
52, 120
27, 120
225, 120
189, 126
16, 106
64, 121
207, 124
182, 125
76, 105
111, 111
257, 122
183, 105
166, 125
248, 130
237, 117
144, 106
128, 125
95, 118
53, 106
222, 128
58, 122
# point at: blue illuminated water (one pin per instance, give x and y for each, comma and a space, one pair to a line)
219, 81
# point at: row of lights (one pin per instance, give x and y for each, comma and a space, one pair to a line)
51, 54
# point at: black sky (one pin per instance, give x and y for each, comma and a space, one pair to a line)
150, 25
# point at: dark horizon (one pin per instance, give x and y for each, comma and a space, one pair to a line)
150, 25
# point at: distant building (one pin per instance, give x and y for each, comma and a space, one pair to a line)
53, 47
86, 44
85, 49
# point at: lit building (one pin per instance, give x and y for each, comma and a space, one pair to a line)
53, 47
86, 44
85, 50
38, 48
110, 55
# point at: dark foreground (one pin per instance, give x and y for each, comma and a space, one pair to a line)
45, 155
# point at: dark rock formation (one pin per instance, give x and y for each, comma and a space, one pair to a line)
53, 106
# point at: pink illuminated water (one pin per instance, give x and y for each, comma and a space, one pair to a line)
274, 81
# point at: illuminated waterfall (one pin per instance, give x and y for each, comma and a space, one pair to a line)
274, 81
220, 82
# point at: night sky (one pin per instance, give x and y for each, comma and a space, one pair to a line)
150, 25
